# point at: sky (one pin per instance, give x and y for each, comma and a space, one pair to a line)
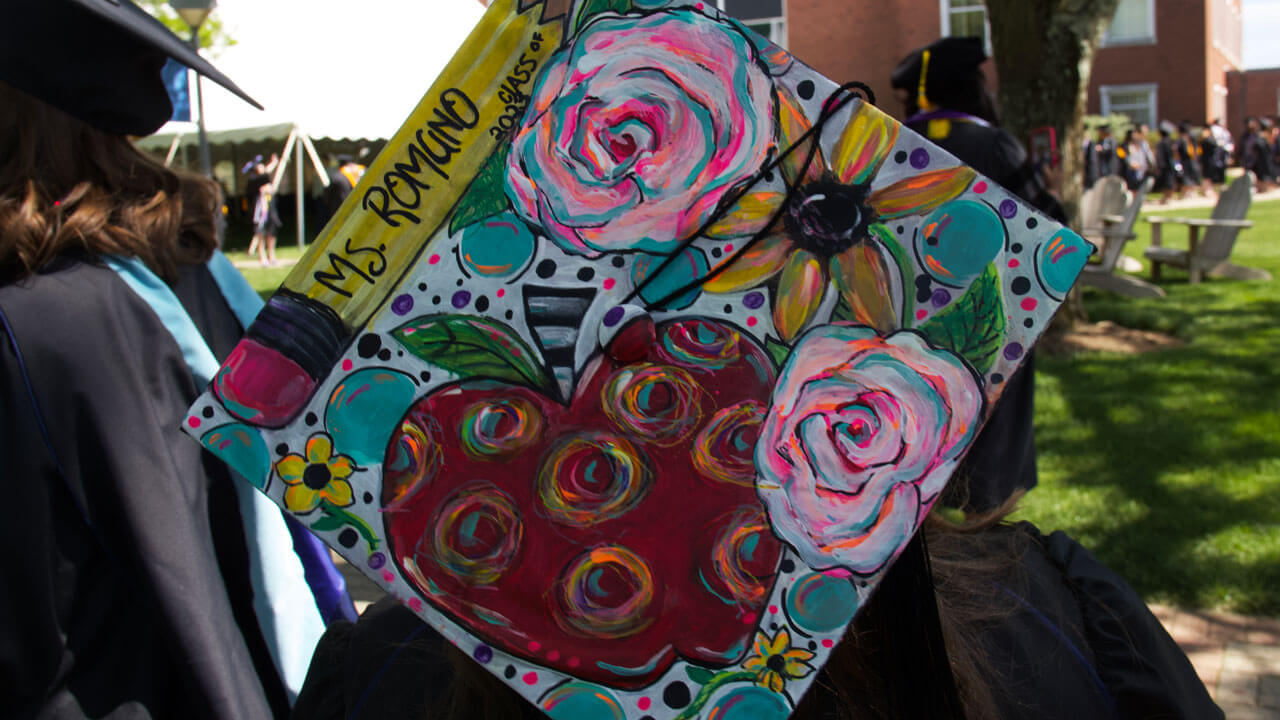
344, 73
335, 71
1261, 29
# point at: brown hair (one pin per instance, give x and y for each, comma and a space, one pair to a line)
66, 186
964, 558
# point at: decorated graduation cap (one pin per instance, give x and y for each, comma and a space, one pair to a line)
637, 357
98, 60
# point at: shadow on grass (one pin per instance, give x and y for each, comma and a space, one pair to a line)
1178, 450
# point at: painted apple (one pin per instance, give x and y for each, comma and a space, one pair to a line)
590, 538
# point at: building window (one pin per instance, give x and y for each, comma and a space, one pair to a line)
966, 18
1137, 102
1133, 24
768, 18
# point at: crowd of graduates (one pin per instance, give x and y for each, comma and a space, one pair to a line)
1181, 158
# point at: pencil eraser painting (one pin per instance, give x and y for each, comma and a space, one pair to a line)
637, 357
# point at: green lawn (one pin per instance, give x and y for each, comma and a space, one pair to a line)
1167, 464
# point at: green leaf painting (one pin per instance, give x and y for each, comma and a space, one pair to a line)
590, 8
473, 347
777, 351
485, 196
906, 270
973, 326
698, 674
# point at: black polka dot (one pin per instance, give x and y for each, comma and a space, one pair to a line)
399, 353
585, 274
369, 345
367, 497
422, 287
646, 717
347, 538
805, 89
310, 419
813, 645
282, 449
509, 314
1016, 247
426, 376
1028, 323
901, 229
1032, 222
997, 378
207, 412
767, 176
923, 294
618, 261
787, 566
728, 308
676, 695
509, 673
1020, 286
773, 626
900, 156
931, 240
384, 354
482, 303
716, 252
923, 281
546, 269
435, 300
459, 282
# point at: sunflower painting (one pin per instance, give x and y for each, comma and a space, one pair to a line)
830, 225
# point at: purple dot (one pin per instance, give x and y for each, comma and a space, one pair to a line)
753, 300
940, 297
377, 560
1008, 208
461, 298
483, 654
1012, 351
402, 304
614, 316
919, 158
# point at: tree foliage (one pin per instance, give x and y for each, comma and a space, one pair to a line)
213, 35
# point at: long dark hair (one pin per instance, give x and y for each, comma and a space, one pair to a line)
66, 186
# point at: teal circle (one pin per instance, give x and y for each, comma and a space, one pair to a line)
575, 700
1059, 260
498, 246
821, 603
365, 409
685, 270
750, 703
957, 241
241, 447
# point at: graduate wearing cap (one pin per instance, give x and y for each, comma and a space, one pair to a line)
946, 99
141, 580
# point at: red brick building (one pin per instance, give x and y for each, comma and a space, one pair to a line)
1161, 59
1252, 93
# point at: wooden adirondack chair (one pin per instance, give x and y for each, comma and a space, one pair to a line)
1108, 197
1210, 254
1115, 233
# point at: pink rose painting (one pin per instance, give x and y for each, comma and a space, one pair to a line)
638, 129
863, 433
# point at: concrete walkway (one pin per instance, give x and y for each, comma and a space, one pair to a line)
1237, 657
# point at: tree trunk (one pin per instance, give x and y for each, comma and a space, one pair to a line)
1044, 52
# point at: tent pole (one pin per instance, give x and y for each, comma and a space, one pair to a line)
315, 159
173, 149
297, 193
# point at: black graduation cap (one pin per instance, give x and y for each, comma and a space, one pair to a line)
937, 65
98, 60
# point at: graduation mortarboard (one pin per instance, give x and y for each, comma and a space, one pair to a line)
98, 60
637, 357
937, 65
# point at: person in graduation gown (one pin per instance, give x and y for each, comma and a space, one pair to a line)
131, 587
946, 100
